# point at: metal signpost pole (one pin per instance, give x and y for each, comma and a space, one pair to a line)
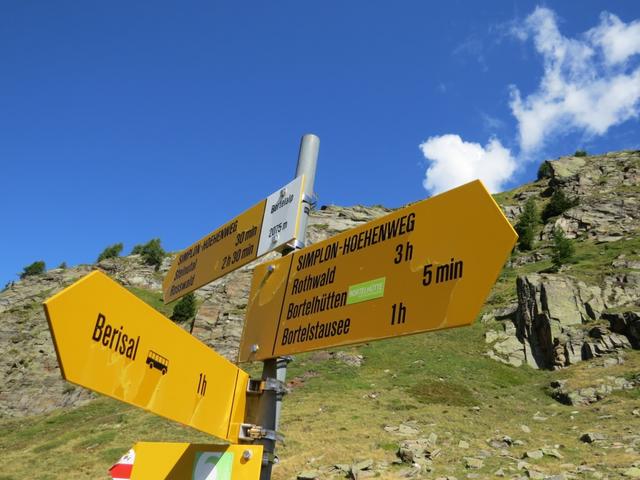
271, 401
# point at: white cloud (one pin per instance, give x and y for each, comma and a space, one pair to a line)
454, 162
617, 40
589, 84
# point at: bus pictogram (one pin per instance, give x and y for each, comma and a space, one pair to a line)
157, 361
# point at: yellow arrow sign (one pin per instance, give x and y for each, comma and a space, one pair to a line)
109, 341
266, 226
425, 267
185, 461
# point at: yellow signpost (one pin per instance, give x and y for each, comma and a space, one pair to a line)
110, 341
425, 267
266, 226
185, 461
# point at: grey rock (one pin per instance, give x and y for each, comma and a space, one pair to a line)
475, 463
420, 451
551, 310
551, 452
362, 465
405, 429
533, 454
490, 336
534, 474
626, 323
591, 437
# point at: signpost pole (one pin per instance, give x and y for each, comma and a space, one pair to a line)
271, 401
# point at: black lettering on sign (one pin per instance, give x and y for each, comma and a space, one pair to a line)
282, 201
443, 273
311, 282
202, 385
317, 256
316, 331
385, 231
220, 234
315, 304
246, 235
114, 338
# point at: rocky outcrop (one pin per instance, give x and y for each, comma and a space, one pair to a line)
29, 372
590, 394
627, 324
559, 321
607, 187
547, 306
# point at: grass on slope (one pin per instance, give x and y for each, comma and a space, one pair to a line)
339, 413
80, 443
154, 299
441, 381
444, 383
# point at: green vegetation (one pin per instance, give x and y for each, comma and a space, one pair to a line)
558, 204
63, 265
83, 442
593, 260
562, 249
151, 252
36, 268
526, 226
185, 309
580, 153
153, 299
112, 251
545, 170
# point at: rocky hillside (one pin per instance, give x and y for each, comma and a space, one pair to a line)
577, 326
591, 306
546, 320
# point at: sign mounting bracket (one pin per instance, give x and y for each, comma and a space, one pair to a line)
258, 386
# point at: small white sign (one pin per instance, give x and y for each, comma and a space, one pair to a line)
281, 216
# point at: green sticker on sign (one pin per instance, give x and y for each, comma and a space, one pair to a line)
213, 466
362, 292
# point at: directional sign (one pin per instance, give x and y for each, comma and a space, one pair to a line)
266, 226
110, 341
185, 461
425, 267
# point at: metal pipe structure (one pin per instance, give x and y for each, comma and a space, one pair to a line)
270, 403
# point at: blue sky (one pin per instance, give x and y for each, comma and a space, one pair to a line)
125, 121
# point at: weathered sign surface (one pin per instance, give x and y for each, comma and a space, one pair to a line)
110, 341
425, 267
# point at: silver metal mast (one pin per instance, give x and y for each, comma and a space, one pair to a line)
271, 401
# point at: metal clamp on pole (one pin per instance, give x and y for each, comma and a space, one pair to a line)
250, 432
257, 386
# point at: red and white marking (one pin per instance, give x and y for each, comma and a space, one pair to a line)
122, 469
